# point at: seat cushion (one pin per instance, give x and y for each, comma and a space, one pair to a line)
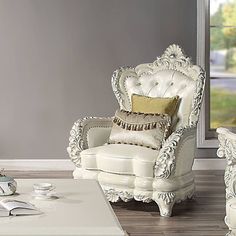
120, 159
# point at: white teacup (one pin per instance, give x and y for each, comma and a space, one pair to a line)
43, 188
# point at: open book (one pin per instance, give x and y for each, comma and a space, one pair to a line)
14, 207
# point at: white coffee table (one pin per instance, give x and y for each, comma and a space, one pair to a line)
81, 209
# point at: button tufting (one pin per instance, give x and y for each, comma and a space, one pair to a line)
138, 84
171, 83
156, 83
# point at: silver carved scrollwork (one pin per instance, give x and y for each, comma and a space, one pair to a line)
167, 198
165, 162
125, 196
173, 59
221, 150
230, 182
115, 83
76, 141
198, 95
227, 149
78, 138
230, 151
114, 195
142, 198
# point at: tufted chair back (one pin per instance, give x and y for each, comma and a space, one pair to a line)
170, 75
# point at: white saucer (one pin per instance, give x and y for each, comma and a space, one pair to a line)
48, 196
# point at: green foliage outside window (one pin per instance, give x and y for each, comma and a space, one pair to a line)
229, 19
217, 35
223, 105
225, 37
230, 62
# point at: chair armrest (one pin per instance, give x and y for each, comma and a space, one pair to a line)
227, 145
227, 149
86, 133
172, 153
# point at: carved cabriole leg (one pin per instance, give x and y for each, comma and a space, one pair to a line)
165, 202
165, 209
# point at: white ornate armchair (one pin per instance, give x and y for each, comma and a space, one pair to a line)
227, 149
127, 171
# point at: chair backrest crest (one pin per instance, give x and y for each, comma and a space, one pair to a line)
171, 74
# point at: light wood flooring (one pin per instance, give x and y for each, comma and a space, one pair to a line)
203, 216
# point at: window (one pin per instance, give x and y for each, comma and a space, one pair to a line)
222, 63
216, 53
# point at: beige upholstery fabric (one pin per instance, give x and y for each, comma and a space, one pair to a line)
148, 130
120, 159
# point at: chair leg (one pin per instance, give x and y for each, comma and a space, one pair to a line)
165, 202
166, 209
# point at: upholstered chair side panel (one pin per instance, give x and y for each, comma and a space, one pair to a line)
185, 152
86, 133
177, 154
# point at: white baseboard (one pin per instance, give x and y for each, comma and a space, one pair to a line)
36, 164
209, 164
66, 164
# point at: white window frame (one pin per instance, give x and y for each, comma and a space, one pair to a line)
203, 35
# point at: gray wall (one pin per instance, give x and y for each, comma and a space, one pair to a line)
57, 58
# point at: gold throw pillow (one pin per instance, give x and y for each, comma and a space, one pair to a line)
159, 105
148, 130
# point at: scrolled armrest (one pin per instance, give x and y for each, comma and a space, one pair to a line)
227, 145
79, 135
167, 157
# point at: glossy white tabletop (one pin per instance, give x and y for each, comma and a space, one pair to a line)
81, 209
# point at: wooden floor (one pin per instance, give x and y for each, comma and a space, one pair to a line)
203, 216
